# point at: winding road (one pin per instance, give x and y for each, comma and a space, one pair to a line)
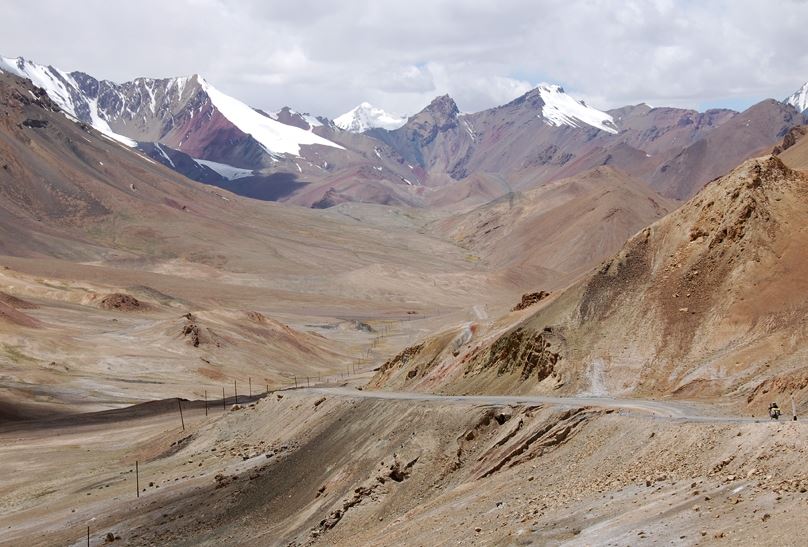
663, 410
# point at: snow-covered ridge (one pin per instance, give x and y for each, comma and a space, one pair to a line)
304, 116
131, 103
561, 109
799, 99
63, 89
366, 116
275, 137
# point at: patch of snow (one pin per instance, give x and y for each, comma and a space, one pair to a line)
227, 171
180, 85
163, 153
312, 121
366, 116
275, 137
561, 109
117, 139
101, 125
152, 100
799, 99
470, 131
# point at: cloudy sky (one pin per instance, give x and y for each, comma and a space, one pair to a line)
327, 56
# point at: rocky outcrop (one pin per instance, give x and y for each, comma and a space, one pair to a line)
191, 330
529, 299
790, 139
122, 302
35, 124
521, 351
398, 470
330, 198
402, 359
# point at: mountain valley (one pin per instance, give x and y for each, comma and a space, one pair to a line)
539, 323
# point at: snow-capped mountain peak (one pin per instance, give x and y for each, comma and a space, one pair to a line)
366, 116
561, 109
63, 89
150, 110
799, 99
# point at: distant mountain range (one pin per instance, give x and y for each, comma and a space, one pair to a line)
72, 192
436, 156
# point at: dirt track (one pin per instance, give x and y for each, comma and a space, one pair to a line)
665, 410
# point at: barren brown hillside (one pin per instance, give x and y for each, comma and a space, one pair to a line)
549, 236
707, 302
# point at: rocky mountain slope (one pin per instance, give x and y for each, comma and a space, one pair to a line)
185, 113
329, 467
792, 150
545, 236
94, 198
703, 303
440, 141
751, 132
669, 148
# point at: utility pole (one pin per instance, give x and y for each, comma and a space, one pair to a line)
793, 408
182, 421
